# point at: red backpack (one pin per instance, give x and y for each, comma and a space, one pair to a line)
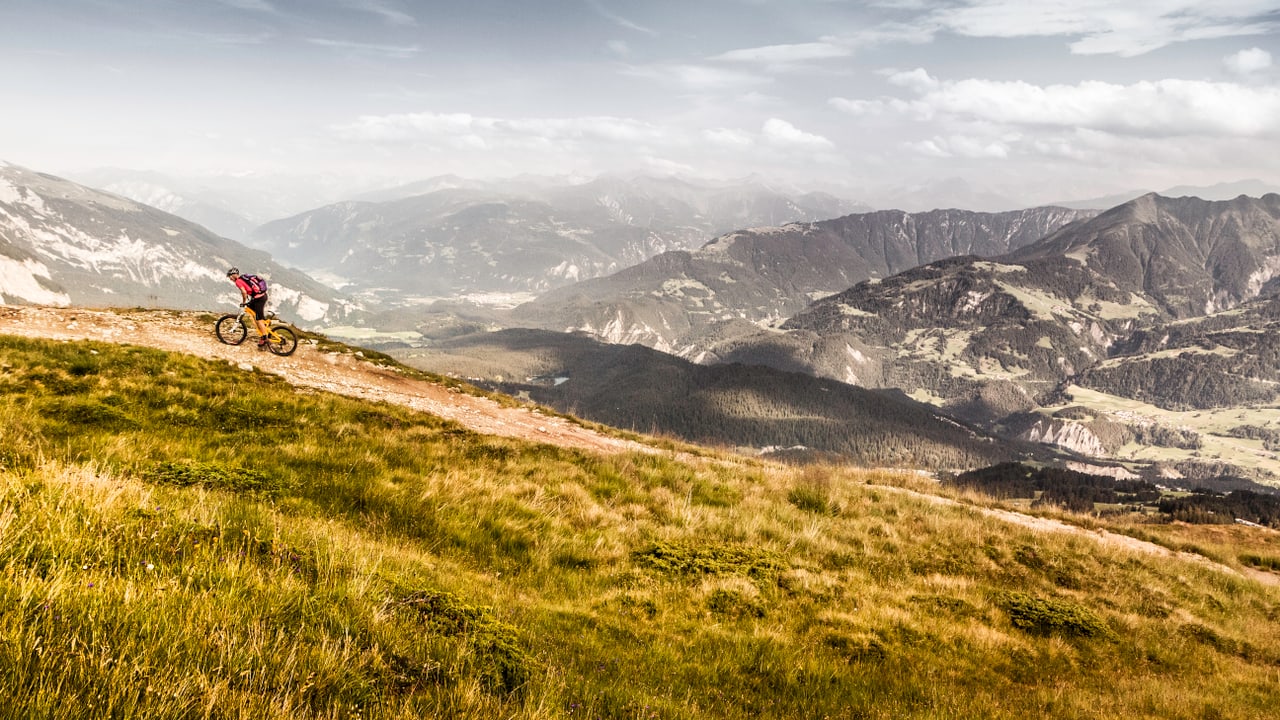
257, 286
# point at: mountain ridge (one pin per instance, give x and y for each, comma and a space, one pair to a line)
64, 243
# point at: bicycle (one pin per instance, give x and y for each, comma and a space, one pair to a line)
233, 329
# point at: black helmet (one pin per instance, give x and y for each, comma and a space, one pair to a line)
233, 271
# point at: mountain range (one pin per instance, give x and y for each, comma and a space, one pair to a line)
447, 237
695, 303
1146, 333
62, 243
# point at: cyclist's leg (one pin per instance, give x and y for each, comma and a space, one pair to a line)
259, 308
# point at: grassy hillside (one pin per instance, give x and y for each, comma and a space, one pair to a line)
183, 539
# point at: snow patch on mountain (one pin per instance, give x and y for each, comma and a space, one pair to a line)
304, 306
11, 194
20, 281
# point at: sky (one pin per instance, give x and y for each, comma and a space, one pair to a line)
1037, 100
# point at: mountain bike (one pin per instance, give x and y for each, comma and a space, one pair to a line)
233, 329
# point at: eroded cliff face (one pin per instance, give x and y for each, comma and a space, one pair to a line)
1065, 434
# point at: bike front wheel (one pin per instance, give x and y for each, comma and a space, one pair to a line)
230, 330
282, 341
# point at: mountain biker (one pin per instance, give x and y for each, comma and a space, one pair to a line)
255, 299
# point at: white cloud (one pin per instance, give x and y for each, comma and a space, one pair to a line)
781, 132
1125, 28
832, 47
1247, 62
786, 54
918, 80
459, 129
1160, 108
619, 48
962, 146
728, 137
584, 143
698, 77
391, 15
258, 5
620, 20
398, 52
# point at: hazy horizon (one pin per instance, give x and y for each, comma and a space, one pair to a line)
1032, 104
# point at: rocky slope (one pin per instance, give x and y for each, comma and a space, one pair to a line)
1104, 314
65, 244
689, 303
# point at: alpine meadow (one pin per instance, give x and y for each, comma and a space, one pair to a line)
183, 538
663, 360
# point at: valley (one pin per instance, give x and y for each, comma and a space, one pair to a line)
780, 529
1138, 340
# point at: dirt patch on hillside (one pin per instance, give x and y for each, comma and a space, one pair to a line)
310, 367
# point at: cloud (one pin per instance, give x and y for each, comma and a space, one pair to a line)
1164, 108
702, 78
578, 143
256, 5
389, 14
397, 52
619, 48
462, 128
782, 133
786, 54
1125, 28
832, 47
1247, 62
619, 20
867, 108
963, 146
918, 80
728, 137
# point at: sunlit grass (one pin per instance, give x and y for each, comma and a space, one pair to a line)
180, 538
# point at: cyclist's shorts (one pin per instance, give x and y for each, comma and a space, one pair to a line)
259, 307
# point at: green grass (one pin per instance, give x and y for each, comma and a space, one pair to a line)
183, 539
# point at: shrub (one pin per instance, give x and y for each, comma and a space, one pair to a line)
220, 477
502, 663
812, 499
1046, 616
710, 560
733, 605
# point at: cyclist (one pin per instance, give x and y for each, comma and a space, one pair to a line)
253, 295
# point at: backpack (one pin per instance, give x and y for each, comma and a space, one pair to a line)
257, 286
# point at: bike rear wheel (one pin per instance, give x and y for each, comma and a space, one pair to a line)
282, 341
231, 330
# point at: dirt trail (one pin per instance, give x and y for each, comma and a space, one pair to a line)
349, 375
310, 367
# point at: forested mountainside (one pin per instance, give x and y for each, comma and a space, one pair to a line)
748, 406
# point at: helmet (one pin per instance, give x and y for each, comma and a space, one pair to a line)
233, 271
